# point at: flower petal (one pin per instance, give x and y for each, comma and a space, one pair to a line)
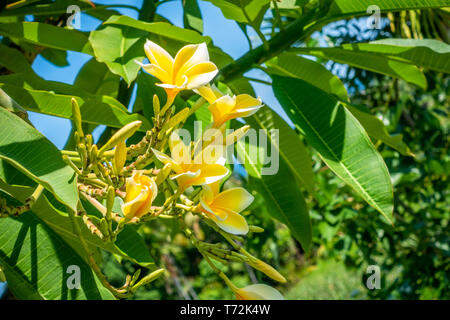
212, 154
221, 108
229, 221
200, 74
242, 113
235, 199
206, 208
209, 173
166, 159
133, 188
158, 56
179, 151
209, 92
189, 56
158, 72
245, 100
139, 205
186, 175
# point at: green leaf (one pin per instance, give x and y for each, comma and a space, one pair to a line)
291, 65
376, 129
93, 110
233, 9
35, 261
163, 29
172, 38
290, 147
30, 152
369, 61
346, 8
280, 190
192, 15
13, 60
94, 77
317, 75
428, 53
47, 35
55, 56
119, 47
339, 139
58, 7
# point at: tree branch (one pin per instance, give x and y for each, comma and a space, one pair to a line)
297, 30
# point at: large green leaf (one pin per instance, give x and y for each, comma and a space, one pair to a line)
13, 60
47, 35
370, 61
376, 129
95, 77
233, 9
290, 147
284, 200
35, 261
172, 38
428, 53
339, 139
58, 7
31, 80
192, 15
119, 46
162, 29
94, 111
56, 56
314, 73
292, 65
345, 8
29, 151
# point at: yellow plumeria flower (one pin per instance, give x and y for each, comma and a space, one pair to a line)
190, 69
224, 207
225, 107
258, 292
190, 171
140, 193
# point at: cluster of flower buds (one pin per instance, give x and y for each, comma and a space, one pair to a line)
134, 175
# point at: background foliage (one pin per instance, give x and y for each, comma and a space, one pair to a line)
318, 64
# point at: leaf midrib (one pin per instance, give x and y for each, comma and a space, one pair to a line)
371, 200
267, 189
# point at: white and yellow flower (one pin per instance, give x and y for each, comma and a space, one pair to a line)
190, 69
224, 207
141, 190
191, 171
225, 107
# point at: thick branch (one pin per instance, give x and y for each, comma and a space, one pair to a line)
297, 30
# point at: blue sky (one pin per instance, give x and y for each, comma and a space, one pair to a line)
225, 33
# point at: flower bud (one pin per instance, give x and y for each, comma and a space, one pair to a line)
258, 292
76, 114
236, 135
156, 105
163, 173
140, 193
255, 229
267, 270
120, 156
121, 135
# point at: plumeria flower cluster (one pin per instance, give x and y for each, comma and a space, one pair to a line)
185, 178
